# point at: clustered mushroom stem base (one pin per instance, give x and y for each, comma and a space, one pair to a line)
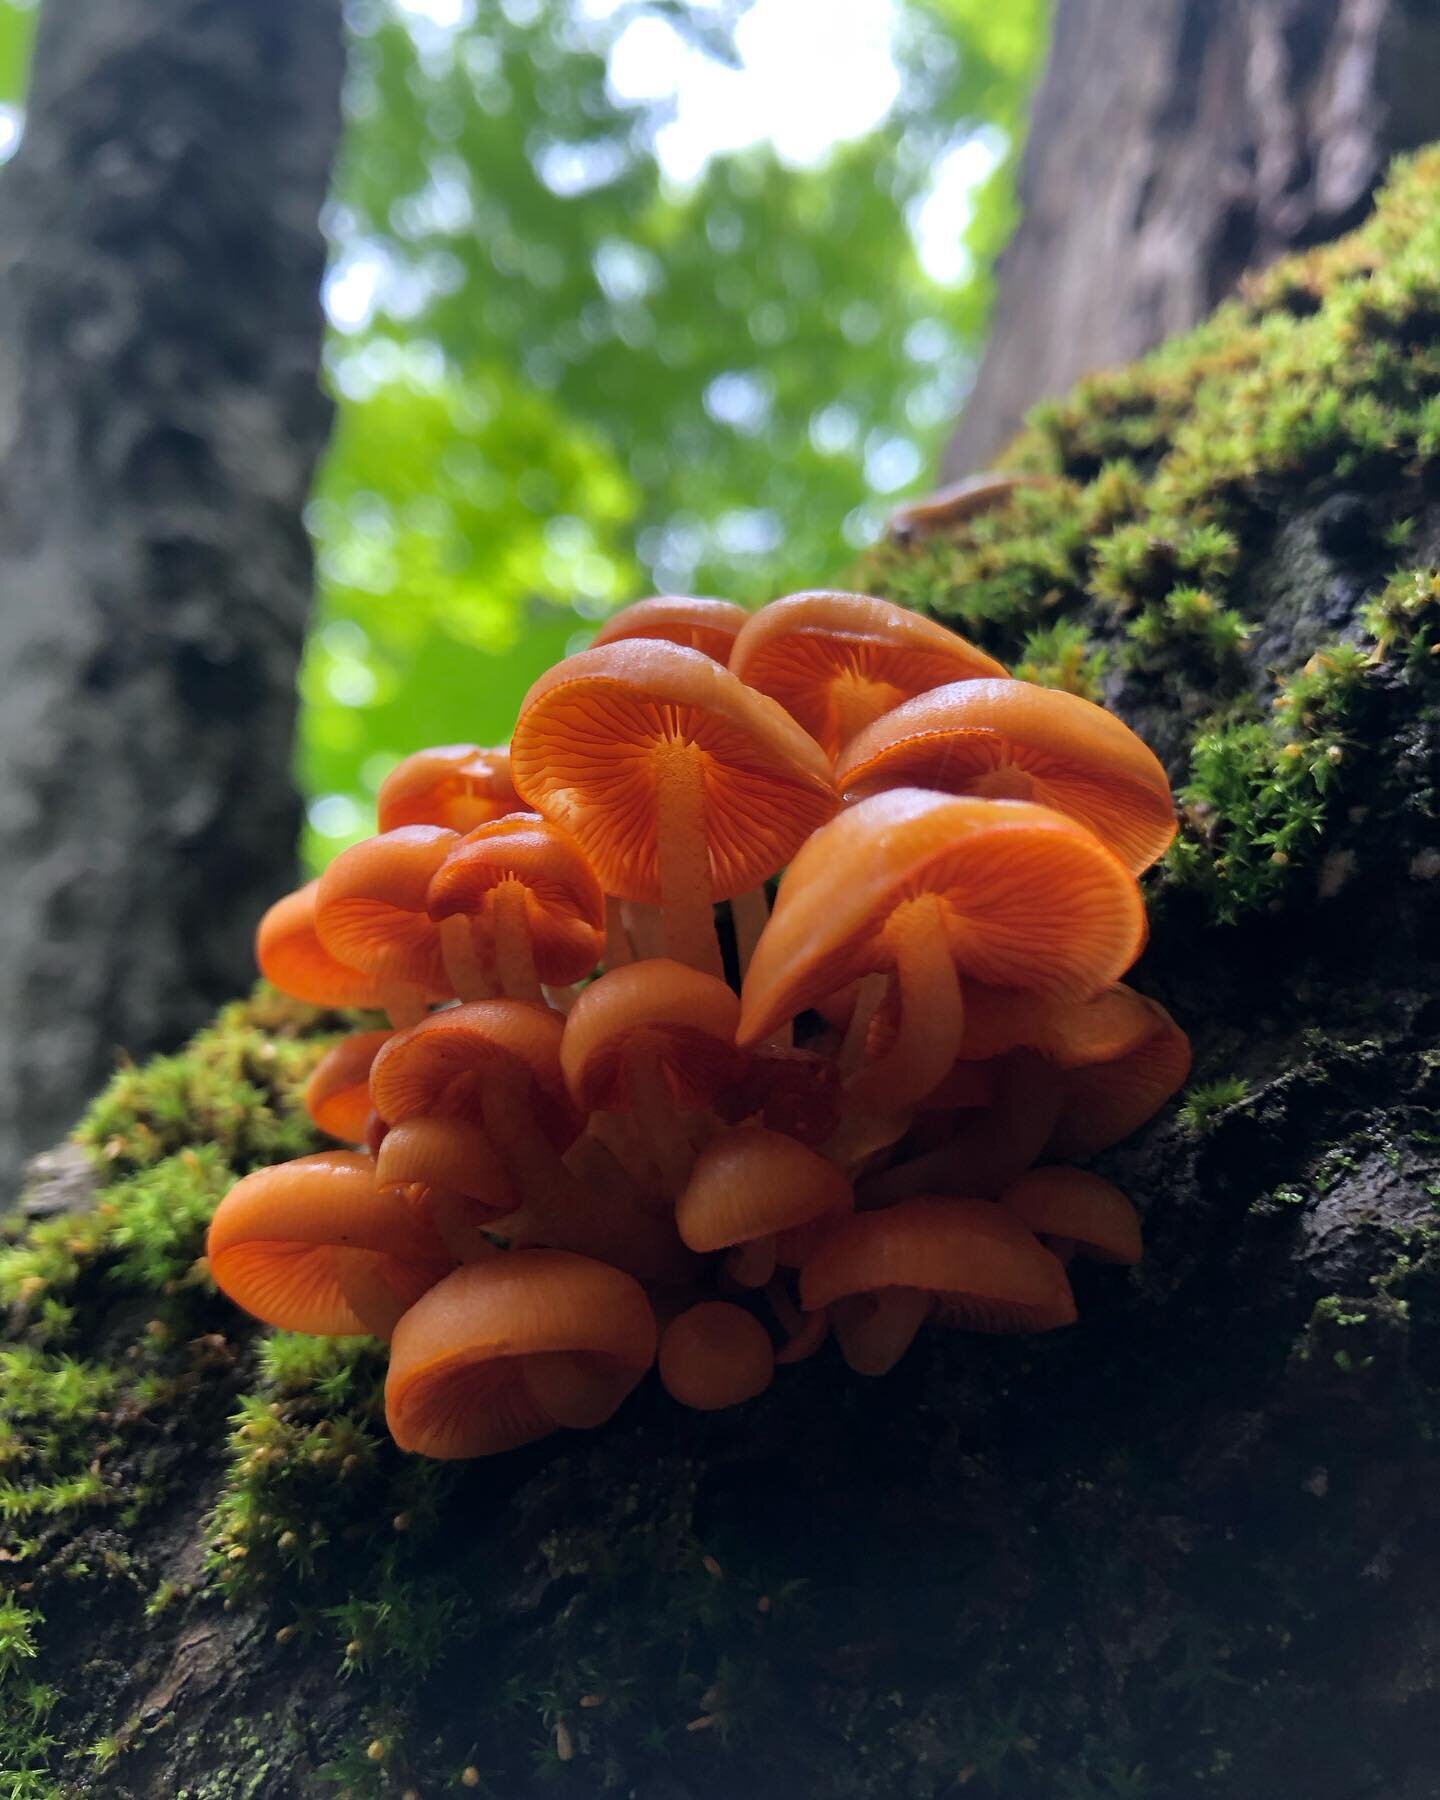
870, 993
665, 1138
686, 894
514, 947
875, 1330
932, 1012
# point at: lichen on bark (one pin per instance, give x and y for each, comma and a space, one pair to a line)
1185, 1548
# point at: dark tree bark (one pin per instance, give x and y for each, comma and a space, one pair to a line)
1173, 146
160, 418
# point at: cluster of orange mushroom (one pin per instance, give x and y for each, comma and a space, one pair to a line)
598, 1138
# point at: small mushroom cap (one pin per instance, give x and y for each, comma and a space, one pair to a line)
291, 956
459, 785
1073, 1203
988, 1271
337, 1095
709, 626
1032, 900
1071, 1033
440, 1066
457, 1384
715, 1355
750, 1183
1079, 759
277, 1239
453, 1154
371, 909
1104, 1102
594, 730
564, 903
837, 661
684, 1018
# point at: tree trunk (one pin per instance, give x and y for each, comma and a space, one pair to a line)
160, 418
1173, 146
1190, 1547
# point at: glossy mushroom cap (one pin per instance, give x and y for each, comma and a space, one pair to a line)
1105, 1102
1074, 1204
596, 731
749, 1183
337, 1095
485, 1360
836, 662
661, 1009
441, 1066
371, 909
1072, 1033
563, 903
312, 1246
715, 1355
458, 785
291, 956
709, 626
1029, 899
1011, 740
987, 1271
446, 1153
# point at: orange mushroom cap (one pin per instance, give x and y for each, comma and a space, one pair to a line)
300, 1244
709, 626
987, 1270
836, 662
1072, 1203
750, 1183
1012, 740
564, 904
447, 1153
440, 1066
715, 1355
473, 1366
595, 731
291, 956
459, 785
1071, 1033
371, 909
1028, 899
685, 1020
1104, 1102
337, 1095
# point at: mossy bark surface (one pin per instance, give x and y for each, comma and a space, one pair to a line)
1188, 1547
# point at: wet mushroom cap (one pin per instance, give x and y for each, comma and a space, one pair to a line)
837, 661
1072, 1033
276, 1241
371, 909
440, 1066
1030, 899
1070, 1203
685, 1019
709, 626
715, 1355
987, 1270
337, 1095
453, 1154
979, 737
457, 1385
595, 729
458, 785
1105, 1102
749, 1183
292, 958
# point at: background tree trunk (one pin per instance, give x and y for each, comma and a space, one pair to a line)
1172, 147
160, 330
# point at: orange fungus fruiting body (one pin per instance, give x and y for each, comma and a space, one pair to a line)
755, 1004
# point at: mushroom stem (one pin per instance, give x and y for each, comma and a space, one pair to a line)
559, 999
1005, 783
750, 914
576, 1390
642, 926
875, 1330
665, 1139
752, 1264
404, 1004
686, 897
463, 962
870, 993
618, 950
932, 1012
459, 1222
367, 1292
514, 948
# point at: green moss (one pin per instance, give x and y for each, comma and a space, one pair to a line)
1204, 1101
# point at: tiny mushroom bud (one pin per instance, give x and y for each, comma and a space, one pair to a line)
715, 1355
